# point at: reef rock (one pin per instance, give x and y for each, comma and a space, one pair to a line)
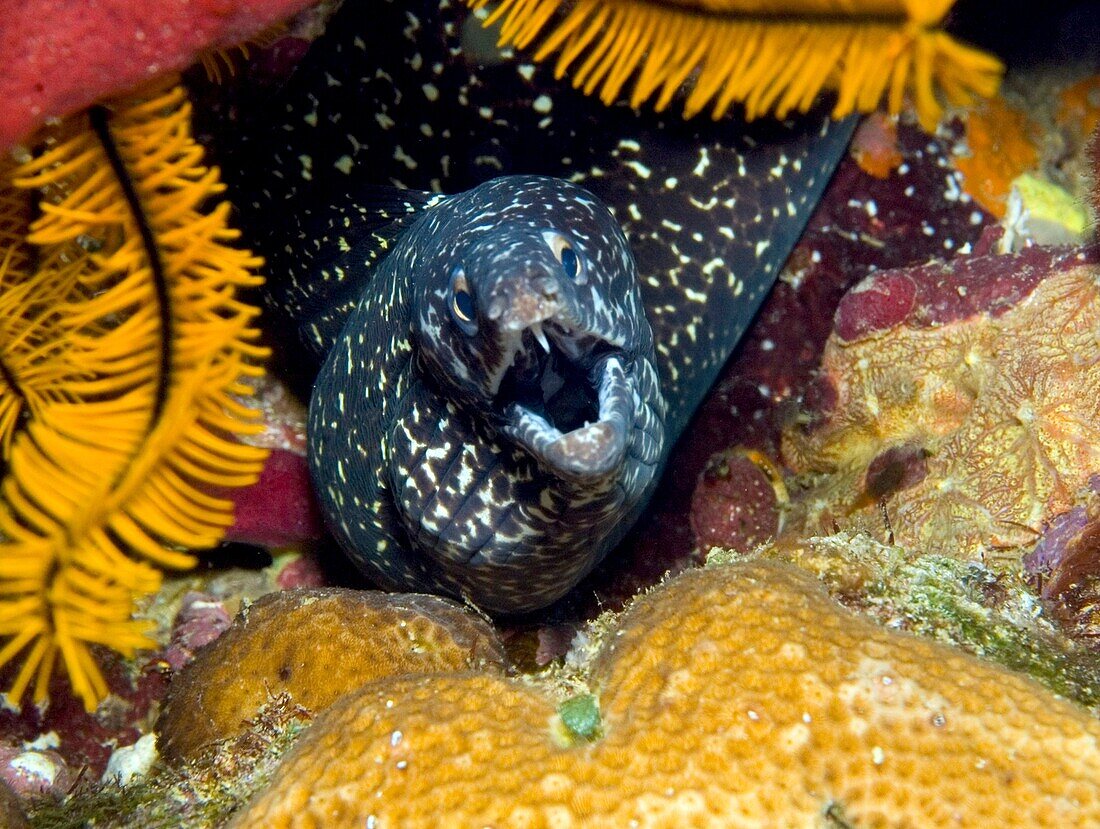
957, 410
731, 696
1065, 567
736, 502
11, 810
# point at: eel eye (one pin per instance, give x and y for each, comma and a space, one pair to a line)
564, 252
462, 302
569, 262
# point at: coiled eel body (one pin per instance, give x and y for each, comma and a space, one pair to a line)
503, 369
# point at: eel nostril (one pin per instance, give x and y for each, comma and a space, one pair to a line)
548, 287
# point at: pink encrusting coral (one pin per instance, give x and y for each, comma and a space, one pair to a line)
280, 509
957, 408
73, 54
939, 294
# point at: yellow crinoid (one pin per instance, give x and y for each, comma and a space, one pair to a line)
773, 57
124, 352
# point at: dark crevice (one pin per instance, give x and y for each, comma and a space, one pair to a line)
8, 379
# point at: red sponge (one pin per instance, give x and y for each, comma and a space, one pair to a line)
60, 55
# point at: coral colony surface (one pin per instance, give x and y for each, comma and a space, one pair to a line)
895, 481
732, 696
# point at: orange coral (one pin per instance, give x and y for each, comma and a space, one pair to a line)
969, 429
734, 696
1002, 143
315, 646
875, 145
1079, 108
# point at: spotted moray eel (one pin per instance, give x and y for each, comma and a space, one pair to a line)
502, 370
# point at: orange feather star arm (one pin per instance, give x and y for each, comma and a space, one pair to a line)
124, 352
773, 57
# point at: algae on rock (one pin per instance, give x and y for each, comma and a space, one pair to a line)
962, 603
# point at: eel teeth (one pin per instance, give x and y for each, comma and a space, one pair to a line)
589, 451
540, 336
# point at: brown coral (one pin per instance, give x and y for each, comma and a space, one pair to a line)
962, 406
315, 646
735, 696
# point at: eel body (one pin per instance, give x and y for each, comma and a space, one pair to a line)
492, 399
499, 461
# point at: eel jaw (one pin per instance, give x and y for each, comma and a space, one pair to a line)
586, 436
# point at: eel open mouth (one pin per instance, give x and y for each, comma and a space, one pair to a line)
568, 398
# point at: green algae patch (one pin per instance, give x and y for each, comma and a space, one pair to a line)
581, 717
576, 721
992, 616
1052, 210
